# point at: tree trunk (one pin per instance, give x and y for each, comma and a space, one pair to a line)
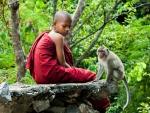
15, 37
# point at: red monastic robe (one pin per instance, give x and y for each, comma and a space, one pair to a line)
45, 68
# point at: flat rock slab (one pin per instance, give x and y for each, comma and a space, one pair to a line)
29, 98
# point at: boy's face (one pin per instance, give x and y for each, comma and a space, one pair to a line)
63, 26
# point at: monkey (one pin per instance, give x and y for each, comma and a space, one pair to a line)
114, 68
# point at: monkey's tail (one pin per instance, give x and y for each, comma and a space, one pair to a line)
127, 93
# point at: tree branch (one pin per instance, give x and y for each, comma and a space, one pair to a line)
78, 41
141, 5
89, 16
86, 53
77, 13
76, 16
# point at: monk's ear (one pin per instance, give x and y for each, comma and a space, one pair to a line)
54, 22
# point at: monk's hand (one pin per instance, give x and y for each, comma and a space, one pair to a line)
95, 80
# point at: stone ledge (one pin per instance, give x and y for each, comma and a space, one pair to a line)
46, 97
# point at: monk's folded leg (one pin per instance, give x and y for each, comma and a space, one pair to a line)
80, 75
60, 74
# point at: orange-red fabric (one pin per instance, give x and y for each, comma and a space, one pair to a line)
45, 68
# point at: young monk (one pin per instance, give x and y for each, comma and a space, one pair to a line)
50, 59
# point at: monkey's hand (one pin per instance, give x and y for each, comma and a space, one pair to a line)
100, 71
95, 80
109, 78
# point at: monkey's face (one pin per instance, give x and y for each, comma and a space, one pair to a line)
102, 52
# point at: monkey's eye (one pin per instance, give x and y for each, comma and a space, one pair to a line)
100, 50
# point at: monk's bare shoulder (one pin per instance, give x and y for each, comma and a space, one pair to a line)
56, 37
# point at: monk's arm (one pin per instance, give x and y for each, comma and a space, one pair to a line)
59, 42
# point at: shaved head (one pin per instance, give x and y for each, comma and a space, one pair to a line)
62, 23
62, 16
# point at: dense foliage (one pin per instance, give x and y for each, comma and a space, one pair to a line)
130, 40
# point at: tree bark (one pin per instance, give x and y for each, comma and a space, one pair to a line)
15, 37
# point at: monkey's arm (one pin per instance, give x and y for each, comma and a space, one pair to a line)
100, 71
110, 69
